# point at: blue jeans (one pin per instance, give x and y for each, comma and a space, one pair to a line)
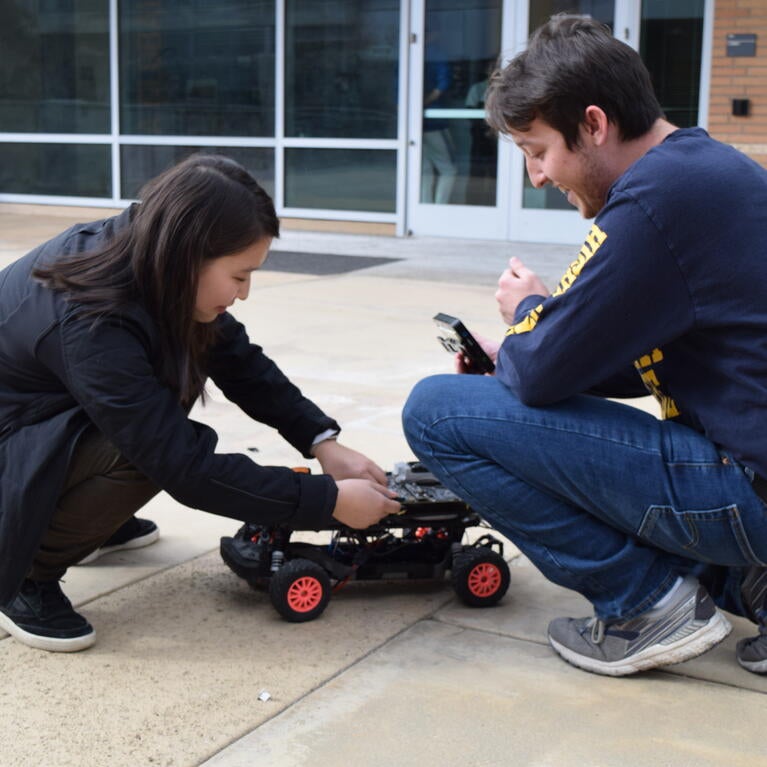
602, 497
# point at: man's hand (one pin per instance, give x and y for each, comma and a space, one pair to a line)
516, 283
344, 463
489, 346
362, 503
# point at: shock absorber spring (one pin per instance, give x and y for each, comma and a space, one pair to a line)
278, 558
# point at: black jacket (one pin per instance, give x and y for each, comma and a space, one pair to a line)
59, 373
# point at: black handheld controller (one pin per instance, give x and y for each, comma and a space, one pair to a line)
455, 338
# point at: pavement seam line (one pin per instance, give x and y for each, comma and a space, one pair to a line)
662, 670
427, 617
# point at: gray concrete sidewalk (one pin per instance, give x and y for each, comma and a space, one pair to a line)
392, 673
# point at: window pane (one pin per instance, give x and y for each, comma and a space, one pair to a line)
460, 160
142, 163
671, 42
75, 170
341, 179
54, 66
542, 10
192, 68
459, 153
341, 68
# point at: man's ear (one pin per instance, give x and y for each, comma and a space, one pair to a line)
595, 125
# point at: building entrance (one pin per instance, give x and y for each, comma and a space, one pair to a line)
462, 181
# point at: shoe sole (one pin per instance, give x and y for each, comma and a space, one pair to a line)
133, 543
707, 636
50, 644
754, 666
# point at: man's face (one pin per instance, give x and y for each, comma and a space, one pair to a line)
581, 173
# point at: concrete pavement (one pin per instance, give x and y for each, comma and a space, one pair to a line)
392, 673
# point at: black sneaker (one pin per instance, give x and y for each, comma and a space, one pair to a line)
752, 652
134, 534
41, 616
684, 628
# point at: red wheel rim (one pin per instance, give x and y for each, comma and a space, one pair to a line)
484, 579
304, 594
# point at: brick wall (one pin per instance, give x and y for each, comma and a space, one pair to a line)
740, 78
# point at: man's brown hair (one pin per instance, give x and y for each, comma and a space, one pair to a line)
572, 63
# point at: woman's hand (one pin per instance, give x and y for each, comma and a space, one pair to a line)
363, 497
362, 502
342, 462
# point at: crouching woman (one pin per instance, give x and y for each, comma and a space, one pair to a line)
108, 333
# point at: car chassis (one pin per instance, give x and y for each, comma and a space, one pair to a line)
425, 540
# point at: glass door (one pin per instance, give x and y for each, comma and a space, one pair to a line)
453, 158
462, 182
671, 45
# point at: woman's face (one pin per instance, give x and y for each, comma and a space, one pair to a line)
224, 279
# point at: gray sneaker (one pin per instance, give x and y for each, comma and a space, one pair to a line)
752, 652
684, 628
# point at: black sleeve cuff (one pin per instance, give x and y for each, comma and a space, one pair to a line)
317, 502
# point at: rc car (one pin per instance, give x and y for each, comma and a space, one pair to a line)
425, 540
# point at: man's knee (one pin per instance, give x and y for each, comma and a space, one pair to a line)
422, 403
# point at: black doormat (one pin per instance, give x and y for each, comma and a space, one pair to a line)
320, 263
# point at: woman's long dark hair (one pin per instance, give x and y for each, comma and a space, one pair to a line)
205, 207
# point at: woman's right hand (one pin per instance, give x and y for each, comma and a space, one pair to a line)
362, 502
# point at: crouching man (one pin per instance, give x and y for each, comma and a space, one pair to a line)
657, 522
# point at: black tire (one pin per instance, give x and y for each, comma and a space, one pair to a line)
300, 590
480, 576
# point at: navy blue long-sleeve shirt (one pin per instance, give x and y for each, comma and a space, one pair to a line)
672, 284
